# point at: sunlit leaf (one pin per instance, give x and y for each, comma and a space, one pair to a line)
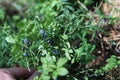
10, 39
62, 71
61, 62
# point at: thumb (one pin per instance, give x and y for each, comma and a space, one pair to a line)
18, 72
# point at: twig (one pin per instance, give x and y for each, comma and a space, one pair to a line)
99, 6
82, 5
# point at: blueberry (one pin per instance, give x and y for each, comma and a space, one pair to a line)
25, 54
43, 33
25, 41
50, 42
56, 51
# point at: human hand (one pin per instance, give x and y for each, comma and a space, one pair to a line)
17, 73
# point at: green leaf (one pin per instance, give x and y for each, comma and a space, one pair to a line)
118, 62
54, 75
113, 56
68, 44
16, 17
36, 78
85, 78
61, 62
10, 39
62, 71
73, 60
2, 14
109, 66
67, 56
65, 37
70, 51
112, 59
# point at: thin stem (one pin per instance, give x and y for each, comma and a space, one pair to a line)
82, 5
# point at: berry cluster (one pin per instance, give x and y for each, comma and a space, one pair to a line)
43, 33
25, 42
48, 41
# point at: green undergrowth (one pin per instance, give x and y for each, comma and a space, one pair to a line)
51, 36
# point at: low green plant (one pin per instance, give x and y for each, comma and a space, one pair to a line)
45, 38
2, 14
112, 63
51, 69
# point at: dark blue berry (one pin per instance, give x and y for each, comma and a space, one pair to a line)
56, 51
43, 33
25, 41
50, 42
25, 54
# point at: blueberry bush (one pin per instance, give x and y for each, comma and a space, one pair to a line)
51, 36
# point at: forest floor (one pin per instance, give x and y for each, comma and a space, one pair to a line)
107, 45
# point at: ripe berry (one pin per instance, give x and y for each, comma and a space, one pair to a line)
50, 42
25, 54
43, 33
56, 51
25, 41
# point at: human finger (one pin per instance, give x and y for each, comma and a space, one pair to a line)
19, 72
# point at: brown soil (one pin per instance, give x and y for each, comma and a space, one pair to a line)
108, 44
